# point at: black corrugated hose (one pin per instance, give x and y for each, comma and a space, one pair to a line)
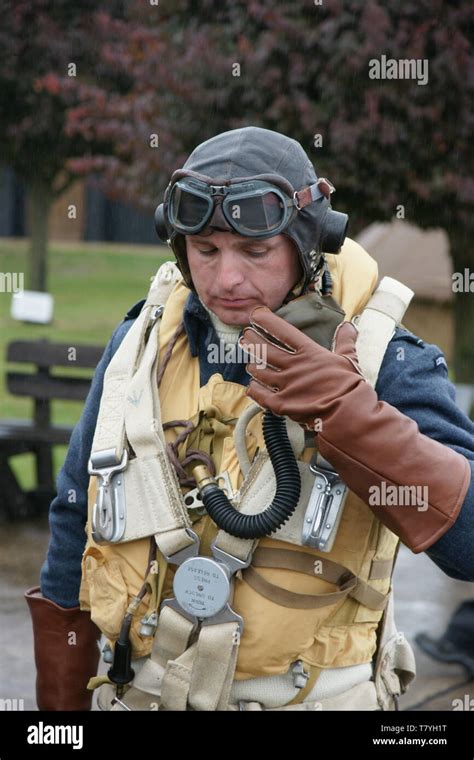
288, 488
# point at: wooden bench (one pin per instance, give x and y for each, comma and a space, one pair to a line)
39, 435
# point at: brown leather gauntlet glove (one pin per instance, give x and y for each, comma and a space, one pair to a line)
66, 653
372, 445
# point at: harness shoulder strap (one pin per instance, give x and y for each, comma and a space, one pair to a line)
137, 495
394, 663
377, 322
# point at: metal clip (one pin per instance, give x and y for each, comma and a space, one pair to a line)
325, 506
107, 654
149, 624
300, 676
108, 516
157, 312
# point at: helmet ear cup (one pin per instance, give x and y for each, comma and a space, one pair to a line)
160, 224
334, 231
178, 243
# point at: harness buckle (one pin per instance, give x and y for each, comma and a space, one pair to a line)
203, 586
108, 515
325, 506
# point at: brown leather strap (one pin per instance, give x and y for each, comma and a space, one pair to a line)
315, 191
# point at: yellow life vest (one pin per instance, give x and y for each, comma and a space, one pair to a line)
275, 635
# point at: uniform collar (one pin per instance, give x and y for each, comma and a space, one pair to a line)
196, 319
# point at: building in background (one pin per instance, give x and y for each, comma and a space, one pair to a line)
419, 259
98, 218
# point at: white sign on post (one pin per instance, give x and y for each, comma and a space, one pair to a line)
32, 306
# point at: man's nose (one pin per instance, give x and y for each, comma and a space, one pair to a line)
229, 270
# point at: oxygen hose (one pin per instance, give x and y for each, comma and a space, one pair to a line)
288, 488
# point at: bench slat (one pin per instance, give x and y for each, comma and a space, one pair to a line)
46, 387
46, 354
14, 431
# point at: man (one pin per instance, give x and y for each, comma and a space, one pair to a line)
292, 620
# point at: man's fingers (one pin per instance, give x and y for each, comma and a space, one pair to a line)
345, 339
274, 329
344, 343
265, 374
260, 394
259, 349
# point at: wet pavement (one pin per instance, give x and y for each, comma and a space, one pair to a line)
425, 599
22, 551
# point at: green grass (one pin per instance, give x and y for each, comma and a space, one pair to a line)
93, 286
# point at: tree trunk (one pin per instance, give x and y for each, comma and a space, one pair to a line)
463, 306
41, 198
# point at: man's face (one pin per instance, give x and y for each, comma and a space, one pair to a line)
233, 274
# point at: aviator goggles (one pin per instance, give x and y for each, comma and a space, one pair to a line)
260, 206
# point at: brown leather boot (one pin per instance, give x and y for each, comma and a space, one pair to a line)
66, 653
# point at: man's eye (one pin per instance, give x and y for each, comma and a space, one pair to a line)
205, 253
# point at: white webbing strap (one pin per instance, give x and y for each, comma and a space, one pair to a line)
130, 411
395, 664
377, 323
110, 427
199, 676
214, 665
175, 632
152, 487
176, 680
142, 407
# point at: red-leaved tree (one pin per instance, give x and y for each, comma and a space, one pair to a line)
195, 69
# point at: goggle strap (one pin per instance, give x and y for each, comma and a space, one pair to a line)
320, 189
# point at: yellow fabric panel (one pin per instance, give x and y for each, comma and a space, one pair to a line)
355, 275
112, 574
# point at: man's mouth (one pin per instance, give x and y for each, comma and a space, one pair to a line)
234, 301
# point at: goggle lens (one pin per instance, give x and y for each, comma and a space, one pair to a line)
187, 209
263, 213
